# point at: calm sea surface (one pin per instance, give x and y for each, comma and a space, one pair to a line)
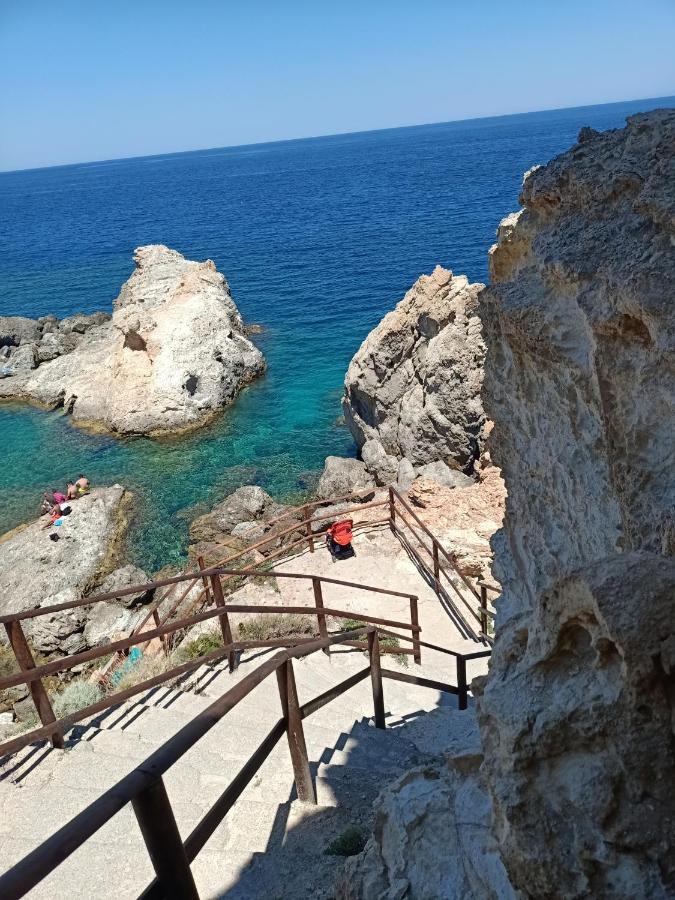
318, 239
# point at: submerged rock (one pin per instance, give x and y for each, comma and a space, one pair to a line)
414, 385
173, 354
576, 713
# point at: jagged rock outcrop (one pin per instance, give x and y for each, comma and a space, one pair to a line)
576, 713
432, 834
241, 519
464, 518
414, 385
173, 354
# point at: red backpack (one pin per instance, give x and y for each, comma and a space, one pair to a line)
341, 532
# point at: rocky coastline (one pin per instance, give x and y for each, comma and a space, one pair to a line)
173, 354
530, 420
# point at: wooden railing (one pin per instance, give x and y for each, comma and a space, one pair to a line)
399, 511
32, 675
308, 538
144, 787
441, 576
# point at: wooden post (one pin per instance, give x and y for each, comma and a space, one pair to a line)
308, 526
462, 696
205, 580
217, 589
24, 657
415, 621
437, 567
294, 732
318, 602
483, 610
163, 637
376, 678
162, 838
392, 509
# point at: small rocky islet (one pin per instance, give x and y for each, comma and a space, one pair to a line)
566, 787
173, 353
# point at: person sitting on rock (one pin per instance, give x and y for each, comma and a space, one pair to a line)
54, 515
46, 504
58, 496
82, 485
71, 491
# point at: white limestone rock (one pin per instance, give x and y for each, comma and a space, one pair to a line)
432, 834
576, 712
343, 476
173, 354
414, 384
38, 572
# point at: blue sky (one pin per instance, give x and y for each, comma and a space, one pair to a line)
94, 80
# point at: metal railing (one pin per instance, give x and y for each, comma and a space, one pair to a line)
145, 790
399, 511
32, 675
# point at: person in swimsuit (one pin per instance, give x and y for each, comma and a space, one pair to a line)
46, 504
71, 490
58, 496
82, 485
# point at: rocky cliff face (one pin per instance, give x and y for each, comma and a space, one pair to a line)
172, 355
413, 389
576, 714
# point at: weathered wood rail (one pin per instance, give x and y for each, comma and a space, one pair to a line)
144, 787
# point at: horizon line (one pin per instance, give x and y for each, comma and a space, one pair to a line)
314, 137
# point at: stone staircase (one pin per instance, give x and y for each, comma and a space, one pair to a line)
270, 844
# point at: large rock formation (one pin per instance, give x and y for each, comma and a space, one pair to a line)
576, 714
432, 834
173, 354
36, 571
414, 385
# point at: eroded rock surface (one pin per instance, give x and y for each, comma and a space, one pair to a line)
414, 385
36, 571
576, 713
432, 833
342, 476
172, 355
241, 519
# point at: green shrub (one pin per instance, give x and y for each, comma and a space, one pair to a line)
75, 696
268, 626
349, 843
205, 643
147, 667
387, 641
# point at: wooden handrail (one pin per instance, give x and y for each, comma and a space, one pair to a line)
52, 852
177, 579
435, 542
144, 786
77, 659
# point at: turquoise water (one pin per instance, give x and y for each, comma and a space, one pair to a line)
318, 239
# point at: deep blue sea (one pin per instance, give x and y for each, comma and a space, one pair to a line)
318, 239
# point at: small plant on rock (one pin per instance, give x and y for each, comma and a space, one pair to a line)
268, 626
349, 843
200, 646
74, 697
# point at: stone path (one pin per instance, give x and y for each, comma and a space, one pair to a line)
380, 560
270, 845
